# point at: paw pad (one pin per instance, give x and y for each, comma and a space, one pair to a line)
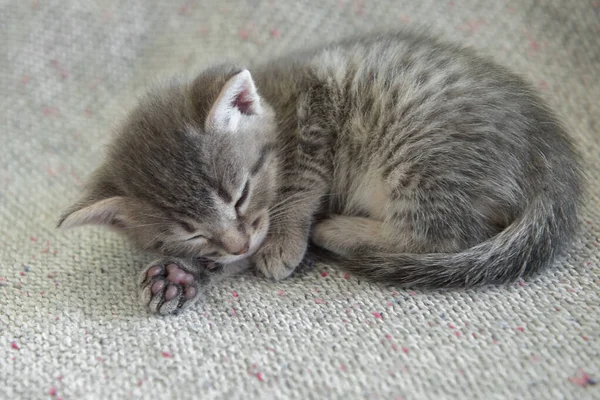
168, 289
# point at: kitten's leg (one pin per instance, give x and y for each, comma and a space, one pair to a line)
345, 235
287, 241
169, 285
306, 176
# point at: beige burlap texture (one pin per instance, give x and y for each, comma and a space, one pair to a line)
70, 323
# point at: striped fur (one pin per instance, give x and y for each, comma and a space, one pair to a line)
407, 159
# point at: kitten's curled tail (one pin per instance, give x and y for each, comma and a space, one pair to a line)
530, 243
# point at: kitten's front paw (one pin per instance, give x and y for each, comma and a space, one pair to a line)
278, 258
168, 288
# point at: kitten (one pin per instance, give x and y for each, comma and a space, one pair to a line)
408, 160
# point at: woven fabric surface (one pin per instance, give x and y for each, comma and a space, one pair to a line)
71, 326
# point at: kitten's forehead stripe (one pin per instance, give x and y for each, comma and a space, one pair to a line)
262, 158
224, 195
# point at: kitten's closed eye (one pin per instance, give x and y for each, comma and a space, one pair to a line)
196, 237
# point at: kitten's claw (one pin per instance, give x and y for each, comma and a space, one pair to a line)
168, 288
277, 259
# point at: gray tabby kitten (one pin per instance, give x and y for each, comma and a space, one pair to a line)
409, 160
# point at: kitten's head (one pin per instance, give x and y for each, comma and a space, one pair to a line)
192, 172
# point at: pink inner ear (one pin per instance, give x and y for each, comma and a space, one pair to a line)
243, 102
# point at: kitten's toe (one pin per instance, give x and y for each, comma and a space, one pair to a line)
168, 288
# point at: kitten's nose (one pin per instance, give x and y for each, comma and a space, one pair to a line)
235, 243
243, 250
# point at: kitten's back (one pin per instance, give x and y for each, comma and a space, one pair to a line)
482, 181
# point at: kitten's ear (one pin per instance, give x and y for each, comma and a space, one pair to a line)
238, 100
108, 212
